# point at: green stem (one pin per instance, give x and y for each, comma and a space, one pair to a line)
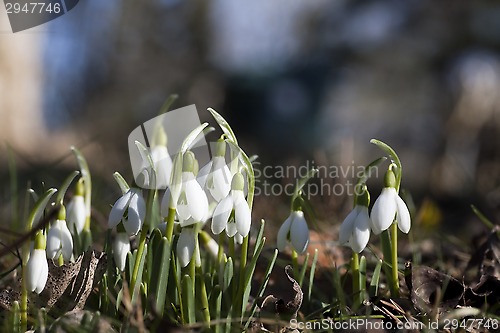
355, 280
295, 263
24, 291
394, 259
387, 251
170, 224
243, 264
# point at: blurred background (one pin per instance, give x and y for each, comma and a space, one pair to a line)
298, 80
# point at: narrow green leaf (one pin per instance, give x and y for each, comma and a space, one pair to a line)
339, 291
375, 279
486, 221
124, 187
65, 185
16, 317
258, 239
188, 301
136, 291
368, 169
311, 274
39, 207
224, 125
263, 286
303, 269
168, 103
160, 272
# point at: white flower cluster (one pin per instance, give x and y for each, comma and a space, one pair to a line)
355, 230
214, 192
59, 242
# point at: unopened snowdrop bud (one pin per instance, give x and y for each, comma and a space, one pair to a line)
355, 230
192, 200
294, 231
133, 203
219, 180
186, 245
121, 247
389, 205
59, 240
37, 269
233, 213
76, 209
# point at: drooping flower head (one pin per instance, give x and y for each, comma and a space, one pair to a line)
37, 269
389, 205
121, 247
219, 179
294, 231
161, 159
186, 245
233, 213
130, 209
192, 202
76, 209
59, 240
355, 230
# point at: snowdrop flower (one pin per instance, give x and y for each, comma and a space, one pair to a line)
233, 213
355, 230
192, 201
295, 231
218, 181
388, 205
121, 247
76, 209
37, 269
186, 245
59, 240
133, 204
163, 166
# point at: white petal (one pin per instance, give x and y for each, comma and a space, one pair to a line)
231, 229
121, 247
238, 239
361, 232
34, 270
188, 222
220, 179
283, 233
242, 215
221, 214
196, 200
76, 214
165, 203
116, 214
403, 215
203, 174
182, 207
347, 227
299, 232
53, 241
66, 241
44, 273
384, 210
185, 246
163, 166
136, 214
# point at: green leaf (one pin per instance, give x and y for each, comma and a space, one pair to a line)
375, 279
303, 269
159, 274
188, 301
142, 259
368, 169
124, 187
362, 277
65, 185
146, 156
224, 125
311, 274
168, 103
39, 207
486, 221
263, 286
